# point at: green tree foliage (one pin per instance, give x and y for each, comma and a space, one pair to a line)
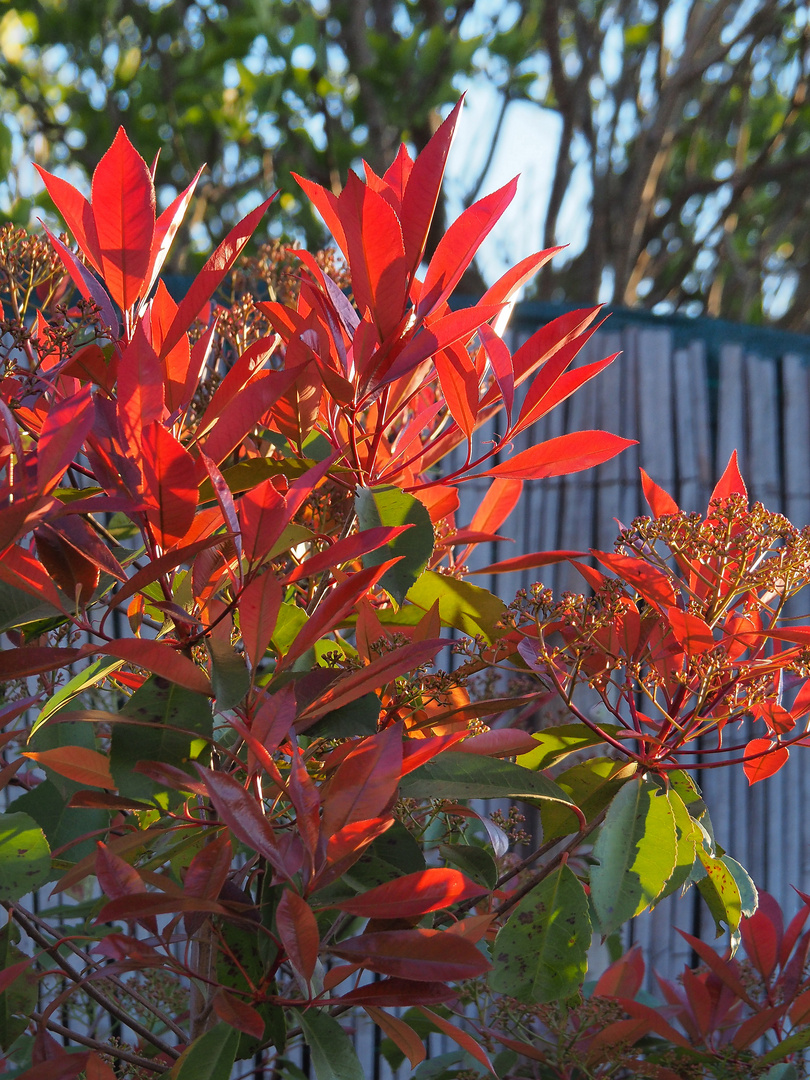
684, 126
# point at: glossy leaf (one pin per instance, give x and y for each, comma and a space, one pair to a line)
540, 954
298, 931
170, 478
560, 456
452, 775
420, 955
636, 852
466, 607
400, 1033
413, 894
25, 859
386, 505
332, 1054
77, 763
209, 1057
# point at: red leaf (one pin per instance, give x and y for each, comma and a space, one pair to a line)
691, 632
565, 454
145, 907
421, 955
170, 482
263, 517
9, 975
238, 1014
345, 847
459, 383
162, 565
208, 870
365, 782
244, 816
730, 483
298, 931
624, 977
498, 742
75, 575
507, 285
209, 278
458, 326
456, 249
35, 660
655, 587
762, 935
77, 213
22, 570
726, 972
166, 228
244, 411
763, 759
175, 365
422, 188
346, 550
376, 250
123, 200
258, 606
659, 501
413, 894
465, 1041
87, 284
326, 203
140, 387
78, 763
500, 359
778, 719
334, 607
400, 1033
115, 875
65, 1067
529, 562
65, 428
161, 659
396, 993
304, 796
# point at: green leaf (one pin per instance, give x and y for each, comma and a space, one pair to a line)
210, 1057
388, 505
475, 862
358, 717
636, 851
175, 724
333, 1056
453, 775
721, 892
466, 607
290, 621
557, 743
64, 826
785, 1071
800, 1040
19, 608
591, 784
541, 954
19, 1000
689, 836
90, 676
25, 858
749, 898
443, 1066
230, 678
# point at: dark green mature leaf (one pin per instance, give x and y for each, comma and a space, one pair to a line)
19, 1000
356, 718
466, 607
25, 858
19, 608
63, 825
331, 1050
210, 1057
388, 505
453, 775
475, 862
175, 724
636, 851
541, 954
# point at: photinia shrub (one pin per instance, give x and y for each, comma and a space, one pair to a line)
230, 553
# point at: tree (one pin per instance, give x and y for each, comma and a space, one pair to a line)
684, 129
